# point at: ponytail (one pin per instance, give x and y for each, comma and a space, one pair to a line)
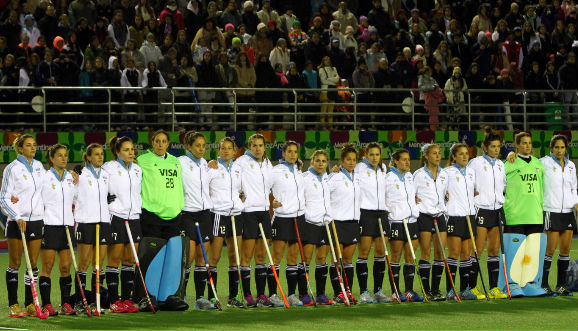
490, 136
397, 155
425, 150
454, 151
115, 144
89, 151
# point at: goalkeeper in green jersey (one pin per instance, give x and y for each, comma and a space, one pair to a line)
524, 240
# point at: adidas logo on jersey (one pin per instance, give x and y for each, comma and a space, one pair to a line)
32, 235
322, 241
137, 237
354, 240
206, 237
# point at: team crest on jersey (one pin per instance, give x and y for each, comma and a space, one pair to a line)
24, 175
427, 184
286, 175
251, 165
346, 185
222, 175
53, 186
315, 185
119, 173
368, 174
554, 169
485, 168
397, 186
191, 167
457, 178
90, 182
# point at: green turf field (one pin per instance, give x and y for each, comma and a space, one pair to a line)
559, 313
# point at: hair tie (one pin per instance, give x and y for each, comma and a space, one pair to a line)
424, 147
453, 145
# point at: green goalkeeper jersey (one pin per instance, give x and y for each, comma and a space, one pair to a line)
162, 188
524, 192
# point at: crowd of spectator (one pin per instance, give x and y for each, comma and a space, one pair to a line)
442, 47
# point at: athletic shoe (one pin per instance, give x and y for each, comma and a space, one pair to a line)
66, 309
203, 303
398, 297
234, 303
467, 294
294, 301
340, 298
130, 306
516, 290
365, 297
31, 310
92, 308
264, 301
437, 296
117, 307
323, 300
14, 311
478, 294
549, 292
450, 296
250, 301
352, 299
79, 308
533, 290
49, 310
496, 293
412, 296
380, 297
563, 291
306, 300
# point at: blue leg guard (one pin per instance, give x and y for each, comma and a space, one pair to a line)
512, 243
535, 252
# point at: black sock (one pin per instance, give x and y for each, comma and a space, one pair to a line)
362, 274
424, 271
12, 285
546, 270
200, 279
65, 288
210, 289
349, 272
436, 275
302, 280
291, 275
246, 280
465, 267
563, 262
271, 282
453, 263
334, 279
93, 284
378, 273
27, 289
187, 276
408, 275
261, 275
320, 278
127, 281
45, 285
493, 270
77, 286
395, 268
112, 283
233, 282
474, 270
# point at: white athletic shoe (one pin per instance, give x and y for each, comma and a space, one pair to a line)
365, 297
294, 301
380, 297
203, 303
276, 301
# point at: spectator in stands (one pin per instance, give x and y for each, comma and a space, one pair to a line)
48, 70
267, 13
210, 78
30, 29
416, 36
314, 50
246, 78
86, 79
194, 17
443, 55
265, 79
168, 28
208, 32
345, 17
329, 78
231, 15
455, 96
176, 18
11, 29
482, 20
504, 82
86, 9
380, 18
145, 11
280, 54
551, 82
374, 54
151, 78
249, 17
434, 36
402, 71
118, 30
132, 52
349, 39
568, 74
48, 25
84, 33
150, 50
113, 73
24, 49
213, 13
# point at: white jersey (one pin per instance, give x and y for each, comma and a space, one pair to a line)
430, 191
125, 183
58, 195
288, 189
559, 185
372, 185
345, 195
400, 196
90, 202
460, 188
490, 182
317, 198
195, 177
24, 182
224, 187
255, 182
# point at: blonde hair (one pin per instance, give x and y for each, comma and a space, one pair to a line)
19, 142
454, 151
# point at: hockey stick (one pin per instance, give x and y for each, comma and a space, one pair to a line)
97, 268
137, 262
476, 255
303, 261
273, 265
336, 264
387, 258
237, 259
415, 264
338, 248
217, 302
76, 271
39, 312
449, 273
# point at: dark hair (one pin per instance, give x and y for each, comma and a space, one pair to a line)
397, 155
89, 151
158, 132
192, 136
559, 137
426, 151
519, 136
490, 136
115, 144
52, 151
229, 139
19, 141
369, 146
290, 143
256, 136
346, 149
453, 151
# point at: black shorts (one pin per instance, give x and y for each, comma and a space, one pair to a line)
458, 227
188, 228
222, 226
425, 223
86, 233
284, 228
559, 221
154, 226
55, 237
347, 232
118, 234
524, 229
489, 218
368, 225
312, 234
251, 222
398, 231
34, 230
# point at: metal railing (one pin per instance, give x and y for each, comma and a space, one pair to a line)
113, 108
